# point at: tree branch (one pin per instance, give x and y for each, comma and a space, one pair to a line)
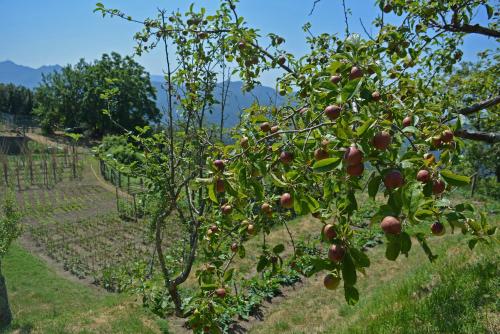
479, 106
472, 29
474, 108
488, 137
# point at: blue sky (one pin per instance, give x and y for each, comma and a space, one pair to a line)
36, 33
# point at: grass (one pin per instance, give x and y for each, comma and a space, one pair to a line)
456, 294
44, 302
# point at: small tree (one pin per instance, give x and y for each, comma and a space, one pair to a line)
9, 231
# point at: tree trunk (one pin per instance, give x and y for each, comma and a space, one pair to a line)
176, 298
5, 313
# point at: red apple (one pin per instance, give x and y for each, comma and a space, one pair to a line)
376, 96
355, 170
265, 127
234, 247
436, 141
393, 179
407, 121
281, 60
336, 253
391, 225
219, 164
226, 209
251, 229
438, 186
335, 79
353, 156
220, 292
447, 136
286, 157
244, 142
329, 232
423, 176
333, 112
320, 154
437, 228
266, 208
356, 72
286, 201
331, 282
382, 140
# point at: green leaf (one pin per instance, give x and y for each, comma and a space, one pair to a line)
277, 182
455, 179
393, 249
351, 88
405, 243
489, 11
373, 186
348, 270
472, 243
278, 249
423, 243
263, 262
360, 258
241, 252
211, 193
326, 165
362, 129
351, 295
228, 275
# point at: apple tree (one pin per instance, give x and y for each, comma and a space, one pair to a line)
364, 115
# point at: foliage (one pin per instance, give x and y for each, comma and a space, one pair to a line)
73, 96
15, 100
120, 149
9, 223
358, 110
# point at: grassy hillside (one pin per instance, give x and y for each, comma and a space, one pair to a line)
44, 302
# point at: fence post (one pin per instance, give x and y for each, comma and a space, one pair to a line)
117, 201
135, 208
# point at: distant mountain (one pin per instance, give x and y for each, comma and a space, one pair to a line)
237, 100
11, 72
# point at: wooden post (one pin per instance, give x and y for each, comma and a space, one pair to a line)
135, 208
117, 200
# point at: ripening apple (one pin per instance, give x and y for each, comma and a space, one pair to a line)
353, 156
219, 186
407, 121
335, 79
251, 229
329, 232
266, 208
437, 228
331, 282
244, 142
376, 96
333, 112
320, 154
391, 225
234, 247
281, 60
356, 72
393, 179
423, 176
438, 186
242, 45
286, 157
387, 8
219, 164
226, 209
382, 140
336, 253
436, 141
447, 136
286, 201
355, 170
275, 129
214, 228
265, 127
220, 292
